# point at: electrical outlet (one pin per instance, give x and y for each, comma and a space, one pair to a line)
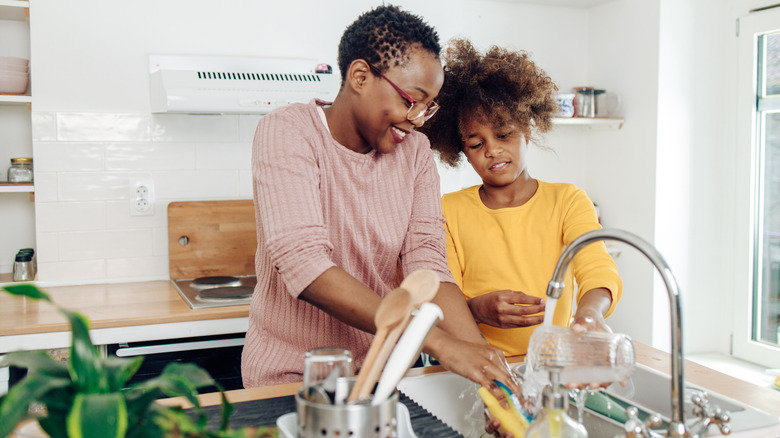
142, 197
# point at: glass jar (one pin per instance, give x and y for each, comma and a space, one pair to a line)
21, 170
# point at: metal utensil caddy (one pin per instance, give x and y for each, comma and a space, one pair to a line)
318, 420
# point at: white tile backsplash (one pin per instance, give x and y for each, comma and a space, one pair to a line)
103, 127
85, 164
189, 127
83, 245
150, 156
95, 186
68, 157
70, 216
118, 215
160, 241
245, 187
46, 187
192, 185
247, 123
74, 272
47, 247
224, 156
45, 126
135, 267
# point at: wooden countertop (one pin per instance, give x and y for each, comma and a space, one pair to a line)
765, 399
107, 306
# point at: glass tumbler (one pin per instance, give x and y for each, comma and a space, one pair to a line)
321, 362
582, 358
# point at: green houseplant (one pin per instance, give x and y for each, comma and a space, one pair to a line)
88, 397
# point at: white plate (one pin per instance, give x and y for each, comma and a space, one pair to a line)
288, 423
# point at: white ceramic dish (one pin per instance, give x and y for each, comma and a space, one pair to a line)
18, 68
288, 423
13, 74
13, 84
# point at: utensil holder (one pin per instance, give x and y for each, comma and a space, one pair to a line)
319, 420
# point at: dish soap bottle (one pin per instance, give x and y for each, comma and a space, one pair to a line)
553, 422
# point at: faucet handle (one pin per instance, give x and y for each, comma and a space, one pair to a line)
708, 414
635, 428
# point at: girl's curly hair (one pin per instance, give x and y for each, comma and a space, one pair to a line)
383, 36
498, 87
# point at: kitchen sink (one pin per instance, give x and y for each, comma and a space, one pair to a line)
455, 401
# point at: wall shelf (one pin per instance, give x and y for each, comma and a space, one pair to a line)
603, 122
15, 98
14, 10
6, 187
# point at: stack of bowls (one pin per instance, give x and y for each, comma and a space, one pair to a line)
14, 75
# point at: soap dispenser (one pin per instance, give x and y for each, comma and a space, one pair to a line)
554, 422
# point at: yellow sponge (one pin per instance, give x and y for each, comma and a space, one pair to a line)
511, 421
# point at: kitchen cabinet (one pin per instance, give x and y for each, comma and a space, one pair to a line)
17, 209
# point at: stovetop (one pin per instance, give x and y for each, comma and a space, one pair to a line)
217, 291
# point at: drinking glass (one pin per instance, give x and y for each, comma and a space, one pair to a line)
319, 363
582, 358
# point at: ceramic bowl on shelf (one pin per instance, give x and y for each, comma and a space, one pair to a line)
14, 60
7, 66
13, 83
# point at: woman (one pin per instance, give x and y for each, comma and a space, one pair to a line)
347, 204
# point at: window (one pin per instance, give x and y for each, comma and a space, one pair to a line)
757, 305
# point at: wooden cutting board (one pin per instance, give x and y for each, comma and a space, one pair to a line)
207, 238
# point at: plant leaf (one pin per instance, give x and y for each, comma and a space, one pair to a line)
227, 412
15, 404
36, 361
119, 370
174, 385
98, 416
27, 290
139, 401
194, 374
86, 365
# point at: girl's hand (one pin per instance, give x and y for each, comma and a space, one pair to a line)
507, 309
588, 319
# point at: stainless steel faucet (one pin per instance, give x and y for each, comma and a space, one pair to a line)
677, 426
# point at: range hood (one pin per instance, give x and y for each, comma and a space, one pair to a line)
237, 85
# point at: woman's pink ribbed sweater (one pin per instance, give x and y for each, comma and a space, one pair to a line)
318, 205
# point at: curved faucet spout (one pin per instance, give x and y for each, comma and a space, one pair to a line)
555, 288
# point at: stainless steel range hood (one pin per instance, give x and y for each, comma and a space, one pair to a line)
222, 84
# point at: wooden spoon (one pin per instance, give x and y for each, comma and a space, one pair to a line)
423, 285
392, 310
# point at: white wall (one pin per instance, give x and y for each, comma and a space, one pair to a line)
623, 42
93, 134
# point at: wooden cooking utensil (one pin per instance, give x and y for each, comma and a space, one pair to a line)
393, 309
423, 285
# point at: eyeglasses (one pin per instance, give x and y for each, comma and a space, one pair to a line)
417, 109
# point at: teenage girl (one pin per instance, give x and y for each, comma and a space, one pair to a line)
347, 204
505, 235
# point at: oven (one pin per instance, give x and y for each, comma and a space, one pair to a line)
219, 355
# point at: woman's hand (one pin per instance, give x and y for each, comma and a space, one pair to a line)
507, 309
478, 362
